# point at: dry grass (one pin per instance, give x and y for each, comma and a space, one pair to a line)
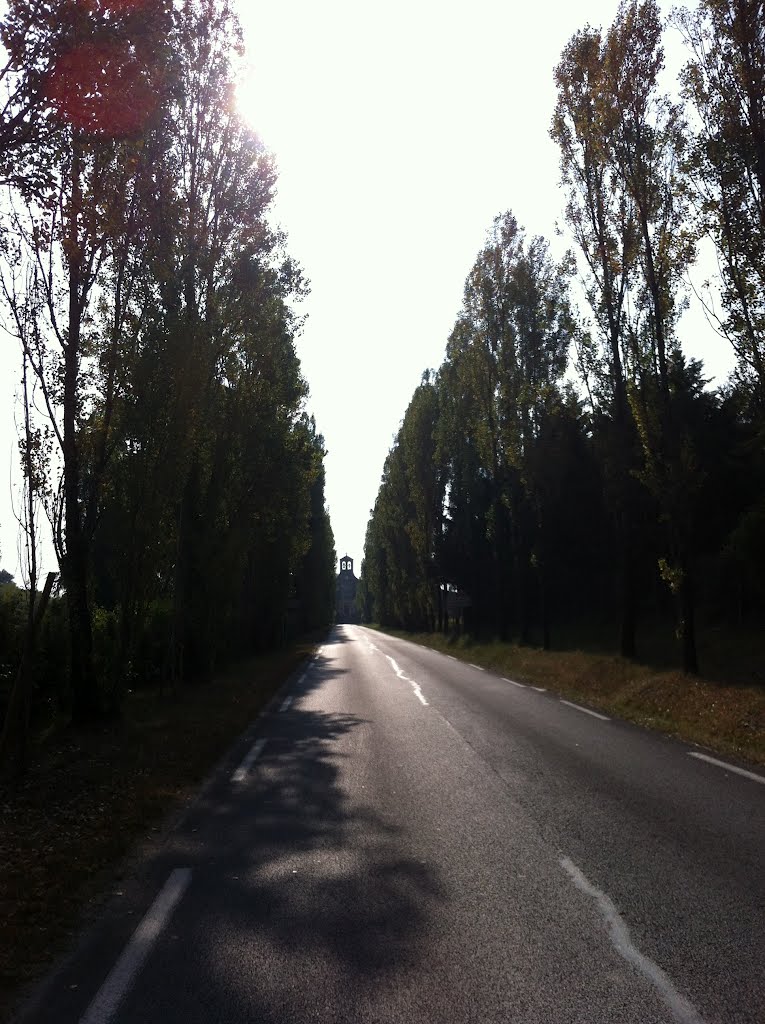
727, 717
90, 796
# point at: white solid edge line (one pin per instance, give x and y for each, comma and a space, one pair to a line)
302, 679
286, 703
506, 680
595, 714
682, 1009
121, 976
479, 667
728, 767
244, 768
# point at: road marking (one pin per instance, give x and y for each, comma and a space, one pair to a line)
728, 767
479, 667
452, 657
683, 1011
121, 976
286, 703
415, 686
506, 680
595, 714
244, 768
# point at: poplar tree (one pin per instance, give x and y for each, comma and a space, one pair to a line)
94, 72
724, 81
507, 353
645, 135
602, 218
191, 510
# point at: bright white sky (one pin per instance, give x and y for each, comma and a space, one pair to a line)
400, 131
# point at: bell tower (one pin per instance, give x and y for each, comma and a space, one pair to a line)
345, 602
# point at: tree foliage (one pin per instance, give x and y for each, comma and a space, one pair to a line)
633, 487
724, 82
465, 477
157, 308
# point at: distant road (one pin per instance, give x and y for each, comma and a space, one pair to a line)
404, 838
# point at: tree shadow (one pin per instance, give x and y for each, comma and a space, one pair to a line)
296, 873
337, 635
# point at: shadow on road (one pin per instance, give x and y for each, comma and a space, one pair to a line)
294, 877
338, 635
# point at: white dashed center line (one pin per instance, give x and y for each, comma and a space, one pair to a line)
595, 714
121, 976
415, 686
506, 680
683, 1011
479, 667
728, 767
240, 775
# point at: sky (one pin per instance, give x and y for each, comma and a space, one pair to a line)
400, 131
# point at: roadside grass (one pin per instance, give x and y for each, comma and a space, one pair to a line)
90, 796
715, 712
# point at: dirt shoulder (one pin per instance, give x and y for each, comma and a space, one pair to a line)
90, 797
725, 717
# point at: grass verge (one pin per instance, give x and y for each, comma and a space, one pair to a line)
89, 797
728, 718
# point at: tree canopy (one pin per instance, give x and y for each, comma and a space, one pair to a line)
580, 469
157, 310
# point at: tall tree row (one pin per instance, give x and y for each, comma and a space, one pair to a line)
156, 308
563, 501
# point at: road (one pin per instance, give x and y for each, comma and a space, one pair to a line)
405, 838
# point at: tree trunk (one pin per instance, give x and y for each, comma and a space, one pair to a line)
625, 516
14, 742
628, 627
85, 696
522, 610
544, 606
182, 622
502, 617
687, 624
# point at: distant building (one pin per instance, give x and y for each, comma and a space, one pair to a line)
345, 599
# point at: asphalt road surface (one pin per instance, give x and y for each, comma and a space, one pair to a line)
404, 838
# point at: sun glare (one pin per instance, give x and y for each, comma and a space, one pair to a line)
249, 101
